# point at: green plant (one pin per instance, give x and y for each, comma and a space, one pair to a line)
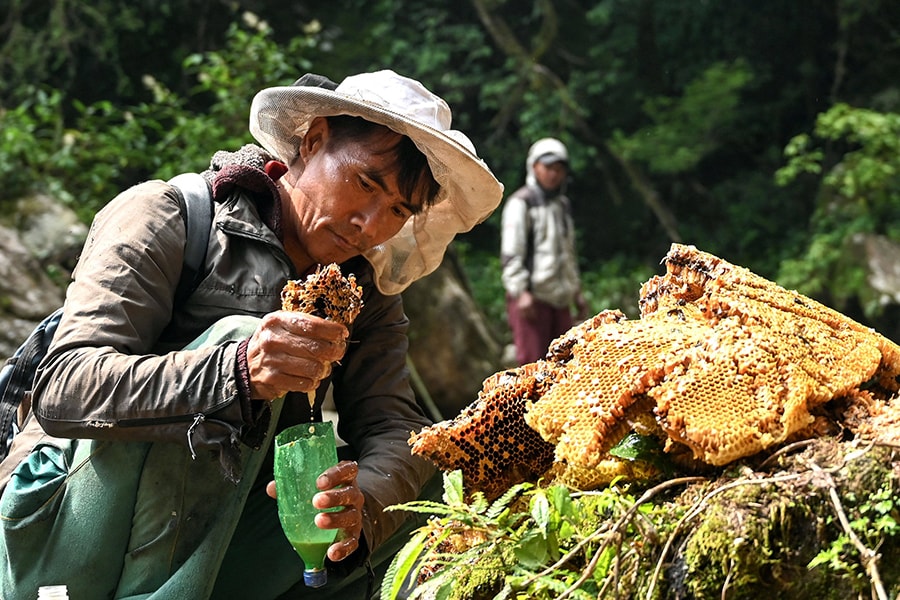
533, 542
108, 146
856, 154
875, 518
30, 134
684, 130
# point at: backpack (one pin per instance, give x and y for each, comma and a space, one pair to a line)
531, 198
17, 375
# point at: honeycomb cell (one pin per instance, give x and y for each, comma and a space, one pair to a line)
489, 440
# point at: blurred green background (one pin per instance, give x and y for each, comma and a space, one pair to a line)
765, 132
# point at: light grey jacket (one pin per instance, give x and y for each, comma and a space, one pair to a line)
537, 247
115, 369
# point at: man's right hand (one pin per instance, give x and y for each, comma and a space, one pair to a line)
525, 304
292, 352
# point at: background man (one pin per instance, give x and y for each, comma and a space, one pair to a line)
540, 265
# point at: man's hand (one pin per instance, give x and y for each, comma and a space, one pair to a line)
292, 352
339, 489
525, 304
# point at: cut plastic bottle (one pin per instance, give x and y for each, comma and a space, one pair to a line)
302, 453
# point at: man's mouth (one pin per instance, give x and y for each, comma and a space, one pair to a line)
345, 244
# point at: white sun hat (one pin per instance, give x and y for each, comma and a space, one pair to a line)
280, 117
547, 150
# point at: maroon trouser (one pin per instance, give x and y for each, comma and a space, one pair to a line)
532, 337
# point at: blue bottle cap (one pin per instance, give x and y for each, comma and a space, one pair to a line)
315, 577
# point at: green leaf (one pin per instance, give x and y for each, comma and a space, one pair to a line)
636, 447
479, 503
646, 448
502, 503
561, 500
566, 530
437, 587
540, 511
453, 488
403, 567
424, 507
531, 551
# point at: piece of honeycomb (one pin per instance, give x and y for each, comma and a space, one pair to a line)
605, 471
590, 408
874, 420
325, 293
489, 441
727, 363
560, 350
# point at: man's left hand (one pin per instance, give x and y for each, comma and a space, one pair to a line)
339, 489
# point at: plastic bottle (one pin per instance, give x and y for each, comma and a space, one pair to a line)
53, 592
302, 453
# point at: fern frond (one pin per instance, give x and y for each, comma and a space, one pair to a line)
502, 503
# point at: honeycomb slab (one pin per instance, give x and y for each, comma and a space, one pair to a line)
725, 363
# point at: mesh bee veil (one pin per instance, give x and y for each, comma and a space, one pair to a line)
469, 192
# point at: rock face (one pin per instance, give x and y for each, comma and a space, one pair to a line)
38, 236
450, 344
883, 259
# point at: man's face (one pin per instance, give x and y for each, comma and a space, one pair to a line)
552, 176
344, 200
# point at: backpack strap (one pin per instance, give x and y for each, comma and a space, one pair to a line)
197, 197
531, 198
17, 377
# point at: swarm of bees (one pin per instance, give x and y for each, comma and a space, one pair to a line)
721, 365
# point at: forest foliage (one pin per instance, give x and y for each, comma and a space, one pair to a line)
765, 132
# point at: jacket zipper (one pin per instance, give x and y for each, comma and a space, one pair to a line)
196, 419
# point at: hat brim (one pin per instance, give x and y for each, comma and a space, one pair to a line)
280, 117
550, 159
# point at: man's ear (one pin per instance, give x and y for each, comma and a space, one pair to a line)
315, 138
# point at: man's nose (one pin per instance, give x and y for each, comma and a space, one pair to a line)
368, 219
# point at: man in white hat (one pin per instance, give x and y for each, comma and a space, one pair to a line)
158, 473
538, 256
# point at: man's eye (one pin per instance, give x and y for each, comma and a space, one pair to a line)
365, 184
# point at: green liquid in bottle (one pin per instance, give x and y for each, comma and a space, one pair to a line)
302, 453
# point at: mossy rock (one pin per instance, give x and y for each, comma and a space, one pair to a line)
816, 520
758, 538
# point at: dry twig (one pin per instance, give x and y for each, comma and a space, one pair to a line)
867, 556
616, 528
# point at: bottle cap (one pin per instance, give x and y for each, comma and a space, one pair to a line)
315, 577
